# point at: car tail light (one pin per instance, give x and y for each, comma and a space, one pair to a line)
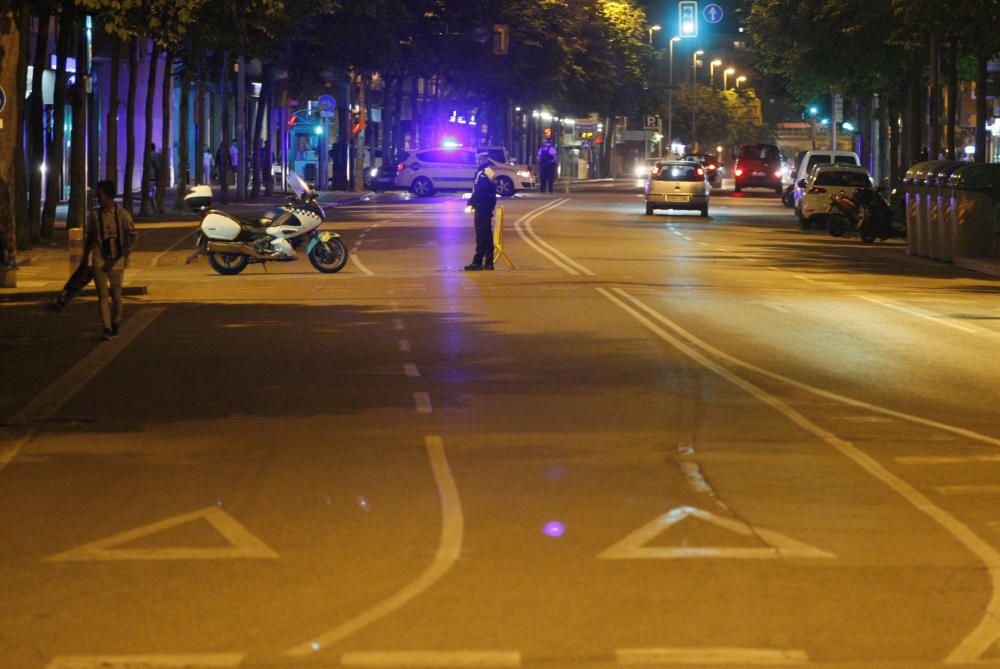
777, 173
739, 172
711, 166
815, 190
701, 172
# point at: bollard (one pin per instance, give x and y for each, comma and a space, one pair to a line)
498, 251
75, 248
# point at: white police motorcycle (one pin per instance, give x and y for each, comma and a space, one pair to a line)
231, 244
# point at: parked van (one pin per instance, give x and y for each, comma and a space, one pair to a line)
810, 159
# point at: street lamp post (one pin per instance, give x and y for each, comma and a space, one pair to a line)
670, 94
740, 80
653, 28
694, 96
725, 77
711, 71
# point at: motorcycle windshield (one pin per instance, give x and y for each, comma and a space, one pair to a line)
300, 187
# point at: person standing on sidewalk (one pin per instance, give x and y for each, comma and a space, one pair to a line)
109, 238
548, 162
483, 202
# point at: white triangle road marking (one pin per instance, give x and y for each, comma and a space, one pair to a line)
243, 544
633, 546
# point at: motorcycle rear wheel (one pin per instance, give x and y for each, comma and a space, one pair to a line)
329, 256
228, 263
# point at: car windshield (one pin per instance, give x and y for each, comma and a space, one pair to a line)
845, 160
836, 178
680, 173
759, 152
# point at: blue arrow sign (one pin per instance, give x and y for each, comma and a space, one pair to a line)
712, 13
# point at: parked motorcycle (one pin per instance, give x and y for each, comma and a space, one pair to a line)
863, 212
231, 244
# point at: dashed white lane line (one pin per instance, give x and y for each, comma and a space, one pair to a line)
397, 324
971, 489
50, 400
946, 460
411, 370
404, 345
704, 244
800, 277
778, 307
423, 658
207, 660
717, 656
448, 551
422, 401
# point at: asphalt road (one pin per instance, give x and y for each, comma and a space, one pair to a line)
661, 440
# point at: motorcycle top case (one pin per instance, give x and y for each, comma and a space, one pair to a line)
198, 198
219, 226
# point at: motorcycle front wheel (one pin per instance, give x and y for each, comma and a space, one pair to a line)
329, 256
837, 225
228, 263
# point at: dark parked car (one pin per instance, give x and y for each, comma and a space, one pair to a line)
759, 166
713, 168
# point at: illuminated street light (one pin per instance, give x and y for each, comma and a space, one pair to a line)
711, 71
740, 80
725, 77
652, 29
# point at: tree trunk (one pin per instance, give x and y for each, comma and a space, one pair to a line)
359, 139
258, 125
200, 138
269, 147
36, 129
145, 201
13, 33
130, 108
78, 144
981, 105
166, 150
397, 121
183, 151
224, 164
952, 117
913, 122
934, 99
111, 159
53, 181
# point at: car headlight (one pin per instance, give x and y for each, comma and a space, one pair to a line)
524, 174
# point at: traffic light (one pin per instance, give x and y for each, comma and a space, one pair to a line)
687, 21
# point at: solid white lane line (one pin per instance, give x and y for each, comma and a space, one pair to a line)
916, 312
987, 632
404, 345
207, 660
711, 655
946, 460
57, 393
422, 401
156, 259
448, 551
397, 324
971, 489
430, 658
411, 370
360, 265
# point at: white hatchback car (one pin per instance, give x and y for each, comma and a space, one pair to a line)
427, 171
824, 182
677, 184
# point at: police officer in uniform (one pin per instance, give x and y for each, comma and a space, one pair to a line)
483, 202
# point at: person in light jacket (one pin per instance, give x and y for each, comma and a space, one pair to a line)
109, 238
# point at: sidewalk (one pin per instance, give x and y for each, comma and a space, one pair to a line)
44, 267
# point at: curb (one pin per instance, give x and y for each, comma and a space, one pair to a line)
981, 265
25, 296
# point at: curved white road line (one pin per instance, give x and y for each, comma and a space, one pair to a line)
554, 255
360, 265
449, 548
987, 632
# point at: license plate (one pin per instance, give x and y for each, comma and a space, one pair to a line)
677, 198
758, 174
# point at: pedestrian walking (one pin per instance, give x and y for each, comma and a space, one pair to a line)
548, 163
483, 202
206, 165
234, 158
153, 170
108, 239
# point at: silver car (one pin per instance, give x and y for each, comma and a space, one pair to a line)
678, 184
